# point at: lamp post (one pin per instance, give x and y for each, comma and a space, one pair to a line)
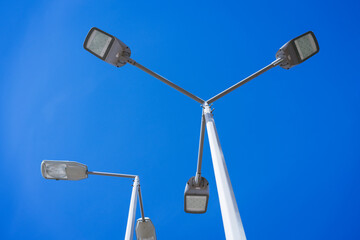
69, 170
113, 51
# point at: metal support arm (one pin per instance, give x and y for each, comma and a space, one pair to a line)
164, 80
141, 205
201, 146
111, 174
242, 82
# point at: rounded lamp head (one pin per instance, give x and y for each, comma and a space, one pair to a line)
63, 170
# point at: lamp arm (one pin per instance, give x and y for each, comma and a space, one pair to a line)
141, 205
164, 80
242, 82
200, 153
111, 174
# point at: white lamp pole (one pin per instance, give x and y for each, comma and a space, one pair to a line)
132, 211
229, 210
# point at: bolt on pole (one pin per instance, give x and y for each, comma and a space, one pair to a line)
233, 226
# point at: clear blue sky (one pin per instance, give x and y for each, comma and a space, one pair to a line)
290, 138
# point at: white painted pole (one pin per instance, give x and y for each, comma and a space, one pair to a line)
233, 227
132, 211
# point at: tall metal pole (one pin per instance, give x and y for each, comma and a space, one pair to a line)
132, 211
233, 227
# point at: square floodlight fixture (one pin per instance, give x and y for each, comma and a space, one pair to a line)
63, 170
196, 196
298, 50
106, 47
145, 230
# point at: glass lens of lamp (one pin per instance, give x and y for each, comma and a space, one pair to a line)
57, 171
195, 203
306, 46
98, 43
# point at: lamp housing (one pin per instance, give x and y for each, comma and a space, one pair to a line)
63, 170
196, 196
145, 230
106, 47
298, 50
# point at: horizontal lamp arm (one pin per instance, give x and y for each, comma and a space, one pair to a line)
242, 82
164, 80
111, 174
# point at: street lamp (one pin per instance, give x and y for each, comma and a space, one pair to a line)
298, 50
145, 229
196, 194
69, 170
63, 170
106, 47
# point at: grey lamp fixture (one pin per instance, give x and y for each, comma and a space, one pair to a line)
69, 170
298, 50
145, 230
106, 47
63, 170
196, 196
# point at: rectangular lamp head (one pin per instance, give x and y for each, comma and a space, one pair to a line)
196, 196
63, 170
145, 230
106, 47
298, 50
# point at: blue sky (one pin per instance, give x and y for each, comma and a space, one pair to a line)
290, 137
